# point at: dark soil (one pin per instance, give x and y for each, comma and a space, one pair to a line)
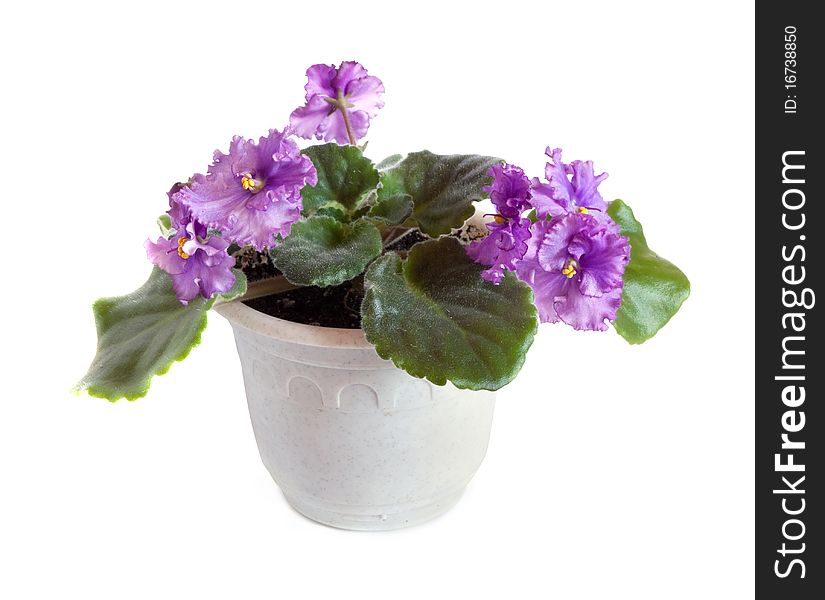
334, 306
255, 265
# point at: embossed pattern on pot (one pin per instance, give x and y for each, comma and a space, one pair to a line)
352, 441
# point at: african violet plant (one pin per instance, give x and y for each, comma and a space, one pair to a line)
446, 311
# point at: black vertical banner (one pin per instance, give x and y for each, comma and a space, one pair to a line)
790, 420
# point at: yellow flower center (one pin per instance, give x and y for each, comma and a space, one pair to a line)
181, 242
499, 219
570, 268
583, 210
248, 182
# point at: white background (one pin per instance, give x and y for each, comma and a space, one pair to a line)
613, 471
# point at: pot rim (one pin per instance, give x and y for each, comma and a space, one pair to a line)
241, 315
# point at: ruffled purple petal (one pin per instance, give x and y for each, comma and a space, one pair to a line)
486, 250
284, 165
213, 275
333, 129
319, 80
561, 194
547, 286
502, 248
575, 265
206, 271
586, 183
179, 214
543, 201
551, 241
348, 71
214, 199
360, 123
269, 150
603, 265
186, 287
260, 227
235, 162
556, 173
587, 313
223, 199
205, 276
494, 274
164, 254
198, 240
306, 120
510, 190
365, 95
320, 119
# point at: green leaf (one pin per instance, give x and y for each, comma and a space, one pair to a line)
345, 176
442, 187
654, 288
322, 251
165, 225
330, 211
389, 162
534, 218
434, 316
141, 334
392, 210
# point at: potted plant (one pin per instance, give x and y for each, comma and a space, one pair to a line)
376, 311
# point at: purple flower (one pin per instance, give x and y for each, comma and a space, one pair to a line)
505, 244
575, 265
197, 262
253, 193
339, 103
510, 190
562, 194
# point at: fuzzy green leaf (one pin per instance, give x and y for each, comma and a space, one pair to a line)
392, 210
345, 176
434, 316
322, 251
141, 334
654, 288
443, 187
389, 162
330, 211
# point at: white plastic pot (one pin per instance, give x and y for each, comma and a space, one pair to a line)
353, 441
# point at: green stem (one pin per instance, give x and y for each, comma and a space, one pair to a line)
342, 103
